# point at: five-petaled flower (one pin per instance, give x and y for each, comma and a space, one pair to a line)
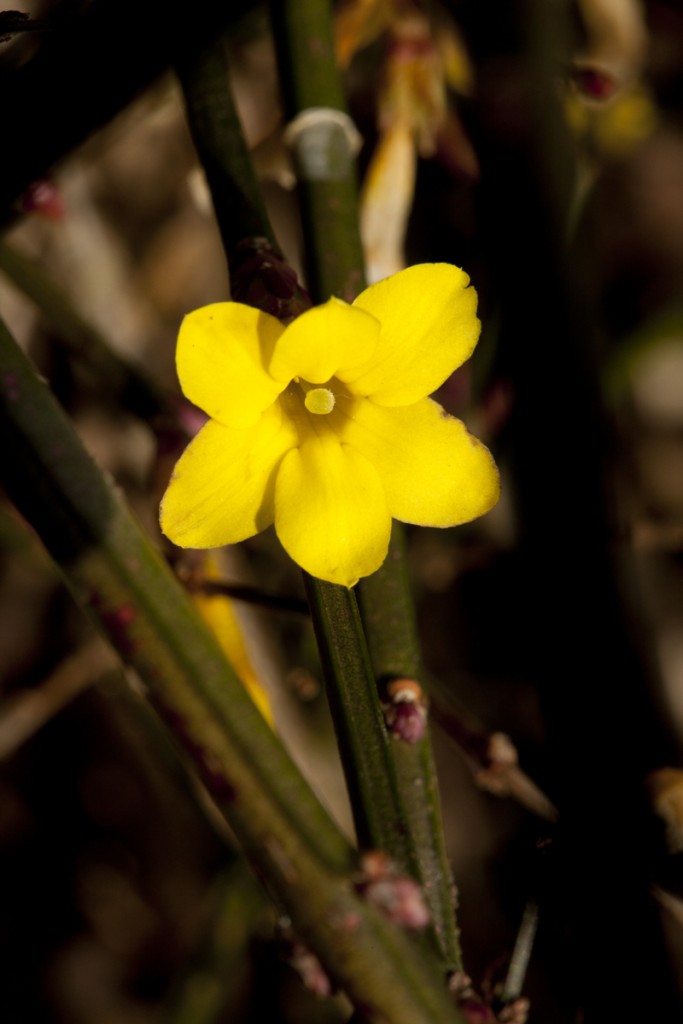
324, 427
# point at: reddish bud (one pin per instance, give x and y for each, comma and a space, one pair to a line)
397, 896
302, 960
594, 83
407, 722
406, 712
399, 899
43, 197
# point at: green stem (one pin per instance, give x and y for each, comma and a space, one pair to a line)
388, 613
322, 148
389, 619
323, 152
387, 779
258, 274
217, 135
361, 732
120, 580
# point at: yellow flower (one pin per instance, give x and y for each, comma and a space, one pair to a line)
219, 614
323, 427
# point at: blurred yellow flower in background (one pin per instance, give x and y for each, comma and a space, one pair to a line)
424, 63
609, 106
324, 427
218, 612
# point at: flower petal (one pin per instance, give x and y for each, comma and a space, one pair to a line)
387, 199
331, 512
223, 351
434, 472
429, 327
222, 487
323, 339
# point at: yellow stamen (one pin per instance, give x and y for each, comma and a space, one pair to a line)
319, 401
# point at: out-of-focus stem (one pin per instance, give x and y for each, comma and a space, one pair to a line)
521, 954
210, 986
259, 275
25, 712
250, 595
121, 381
590, 657
216, 131
492, 756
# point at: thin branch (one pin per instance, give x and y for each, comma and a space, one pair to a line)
25, 712
251, 595
493, 756
521, 954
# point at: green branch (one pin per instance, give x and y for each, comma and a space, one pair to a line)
323, 151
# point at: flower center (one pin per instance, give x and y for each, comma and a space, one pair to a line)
319, 401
